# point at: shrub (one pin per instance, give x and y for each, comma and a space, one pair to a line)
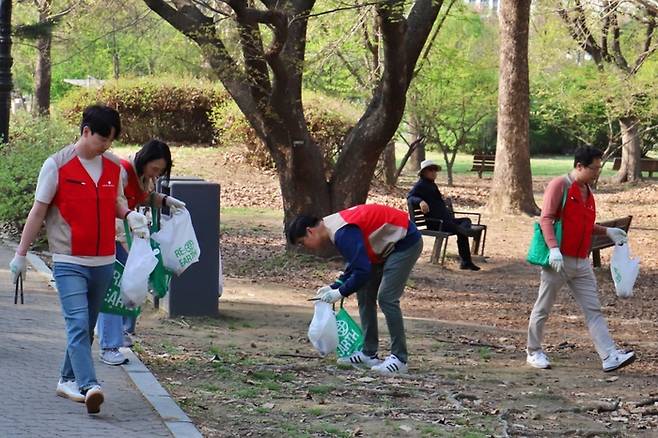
32, 140
163, 108
328, 120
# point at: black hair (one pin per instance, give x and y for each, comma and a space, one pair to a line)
585, 155
100, 119
153, 150
297, 227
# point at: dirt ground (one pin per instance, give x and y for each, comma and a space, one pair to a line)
252, 372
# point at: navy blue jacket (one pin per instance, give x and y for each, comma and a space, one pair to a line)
427, 190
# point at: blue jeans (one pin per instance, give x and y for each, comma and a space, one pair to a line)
111, 327
81, 290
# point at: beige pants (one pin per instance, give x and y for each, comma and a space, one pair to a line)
579, 276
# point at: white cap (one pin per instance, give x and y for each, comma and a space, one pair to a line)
428, 163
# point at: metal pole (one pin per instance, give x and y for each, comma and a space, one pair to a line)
5, 68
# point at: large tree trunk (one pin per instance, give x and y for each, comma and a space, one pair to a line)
511, 190
631, 151
268, 91
42, 73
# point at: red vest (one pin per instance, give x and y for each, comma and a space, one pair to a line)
87, 209
578, 220
382, 227
133, 190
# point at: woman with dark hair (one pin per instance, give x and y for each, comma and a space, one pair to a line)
138, 174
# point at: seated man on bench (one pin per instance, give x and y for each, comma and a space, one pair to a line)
425, 193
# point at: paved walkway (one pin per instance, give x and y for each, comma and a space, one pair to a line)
32, 343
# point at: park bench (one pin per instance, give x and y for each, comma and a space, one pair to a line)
646, 165
483, 163
441, 237
601, 241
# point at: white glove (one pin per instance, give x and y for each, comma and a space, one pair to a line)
617, 235
174, 204
139, 225
17, 266
329, 295
555, 259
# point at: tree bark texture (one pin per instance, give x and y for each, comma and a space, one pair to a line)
511, 190
631, 151
42, 71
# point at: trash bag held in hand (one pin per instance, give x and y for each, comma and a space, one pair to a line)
624, 270
134, 282
112, 302
178, 243
350, 335
322, 332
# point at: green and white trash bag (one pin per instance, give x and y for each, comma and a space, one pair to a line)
112, 302
160, 277
178, 244
350, 335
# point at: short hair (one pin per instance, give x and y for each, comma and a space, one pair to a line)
585, 155
297, 227
101, 119
153, 150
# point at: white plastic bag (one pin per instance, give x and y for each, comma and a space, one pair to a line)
624, 270
323, 332
178, 243
134, 282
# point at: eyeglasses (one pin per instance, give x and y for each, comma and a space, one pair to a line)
595, 168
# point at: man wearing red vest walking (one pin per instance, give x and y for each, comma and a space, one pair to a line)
381, 246
79, 194
570, 198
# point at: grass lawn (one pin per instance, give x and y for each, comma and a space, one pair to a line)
541, 166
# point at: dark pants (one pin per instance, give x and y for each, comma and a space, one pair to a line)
457, 226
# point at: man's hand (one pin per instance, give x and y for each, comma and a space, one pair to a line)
555, 259
328, 295
424, 207
174, 204
617, 235
138, 224
17, 266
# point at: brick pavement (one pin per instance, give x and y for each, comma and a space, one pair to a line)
32, 343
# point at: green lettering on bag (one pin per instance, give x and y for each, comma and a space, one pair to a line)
350, 336
112, 302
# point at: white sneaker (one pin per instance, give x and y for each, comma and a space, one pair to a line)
94, 399
392, 365
127, 340
70, 390
112, 356
538, 359
360, 359
618, 359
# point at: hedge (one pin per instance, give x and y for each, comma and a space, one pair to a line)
171, 110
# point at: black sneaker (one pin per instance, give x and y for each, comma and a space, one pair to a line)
469, 265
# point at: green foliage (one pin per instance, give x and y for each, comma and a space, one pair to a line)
328, 120
32, 140
108, 39
453, 98
175, 111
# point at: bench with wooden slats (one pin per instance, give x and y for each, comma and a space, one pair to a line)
483, 163
646, 165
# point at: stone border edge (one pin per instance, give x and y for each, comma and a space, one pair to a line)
177, 421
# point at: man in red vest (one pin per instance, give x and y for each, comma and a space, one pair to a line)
79, 194
570, 199
381, 246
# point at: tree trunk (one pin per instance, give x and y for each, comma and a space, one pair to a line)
390, 167
42, 73
631, 151
418, 155
511, 190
